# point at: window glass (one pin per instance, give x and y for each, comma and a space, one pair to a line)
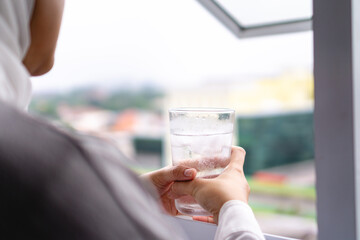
259, 12
119, 67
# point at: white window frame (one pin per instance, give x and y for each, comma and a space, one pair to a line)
241, 31
336, 117
206, 231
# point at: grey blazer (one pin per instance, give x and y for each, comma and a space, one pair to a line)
55, 185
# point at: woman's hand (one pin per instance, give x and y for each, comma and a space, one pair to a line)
211, 194
164, 178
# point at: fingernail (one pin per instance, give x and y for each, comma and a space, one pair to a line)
188, 172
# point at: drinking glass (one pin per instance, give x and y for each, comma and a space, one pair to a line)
201, 138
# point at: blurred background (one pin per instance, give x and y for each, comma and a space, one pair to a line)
120, 65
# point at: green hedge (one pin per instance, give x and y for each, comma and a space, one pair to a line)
275, 140
147, 145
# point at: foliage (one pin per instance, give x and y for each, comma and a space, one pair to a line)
283, 190
276, 140
148, 145
115, 100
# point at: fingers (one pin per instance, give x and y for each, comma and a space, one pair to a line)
207, 219
237, 158
172, 195
169, 206
176, 173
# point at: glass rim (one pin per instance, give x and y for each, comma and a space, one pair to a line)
201, 110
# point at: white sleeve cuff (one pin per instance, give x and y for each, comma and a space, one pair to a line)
237, 221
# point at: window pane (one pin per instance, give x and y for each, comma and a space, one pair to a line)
258, 12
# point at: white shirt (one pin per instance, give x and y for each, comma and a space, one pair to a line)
237, 222
15, 85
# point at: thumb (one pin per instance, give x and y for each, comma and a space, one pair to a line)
180, 173
237, 158
175, 173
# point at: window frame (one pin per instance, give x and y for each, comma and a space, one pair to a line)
337, 117
241, 31
204, 231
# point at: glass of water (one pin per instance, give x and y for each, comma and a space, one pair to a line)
201, 138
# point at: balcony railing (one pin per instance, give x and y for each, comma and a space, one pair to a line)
205, 231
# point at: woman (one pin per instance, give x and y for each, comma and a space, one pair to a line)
29, 31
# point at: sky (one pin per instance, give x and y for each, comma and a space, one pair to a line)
168, 43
